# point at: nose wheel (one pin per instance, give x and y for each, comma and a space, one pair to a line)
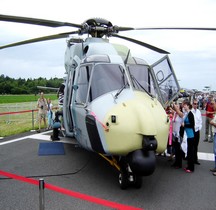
137, 182
128, 178
123, 180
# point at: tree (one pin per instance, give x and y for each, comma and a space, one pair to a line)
22, 86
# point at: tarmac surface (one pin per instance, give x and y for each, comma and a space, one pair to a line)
87, 173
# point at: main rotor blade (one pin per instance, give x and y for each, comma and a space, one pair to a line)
177, 28
36, 21
142, 44
47, 88
40, 39
124, 28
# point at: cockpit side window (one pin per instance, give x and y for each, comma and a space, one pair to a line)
166, 80
141, 78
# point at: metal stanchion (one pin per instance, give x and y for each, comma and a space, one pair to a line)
41, 194
33, 129
32, 119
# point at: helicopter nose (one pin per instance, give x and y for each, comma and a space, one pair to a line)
128, 122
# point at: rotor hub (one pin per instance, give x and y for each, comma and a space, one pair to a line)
97, 27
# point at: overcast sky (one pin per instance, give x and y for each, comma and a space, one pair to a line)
193, 53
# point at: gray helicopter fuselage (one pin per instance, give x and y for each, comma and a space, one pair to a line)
98, 85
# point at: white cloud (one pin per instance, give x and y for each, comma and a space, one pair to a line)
192, 52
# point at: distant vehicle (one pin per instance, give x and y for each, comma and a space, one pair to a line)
184, 93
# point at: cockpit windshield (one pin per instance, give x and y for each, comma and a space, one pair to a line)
107, 78
96, 80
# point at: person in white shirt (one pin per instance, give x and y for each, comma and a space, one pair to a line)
177, 122
198, 127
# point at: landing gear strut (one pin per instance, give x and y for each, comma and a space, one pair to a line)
133, 167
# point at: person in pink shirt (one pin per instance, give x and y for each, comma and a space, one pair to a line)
209, 116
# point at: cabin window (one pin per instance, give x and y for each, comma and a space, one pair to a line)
82, 84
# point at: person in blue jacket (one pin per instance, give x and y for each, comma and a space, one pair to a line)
189, 124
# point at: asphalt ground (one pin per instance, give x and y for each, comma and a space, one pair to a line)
87, 173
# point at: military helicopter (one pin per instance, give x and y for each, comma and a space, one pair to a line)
114, 103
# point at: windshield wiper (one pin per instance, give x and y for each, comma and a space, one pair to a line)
119, 91
123, 80
137, 82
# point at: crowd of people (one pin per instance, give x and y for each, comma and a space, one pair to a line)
45, 110
186, 124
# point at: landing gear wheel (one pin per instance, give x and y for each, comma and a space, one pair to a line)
123, 175
137, 181
123, 180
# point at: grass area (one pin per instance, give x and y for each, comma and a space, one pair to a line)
17, 123
11, 124
23, 98
15, 127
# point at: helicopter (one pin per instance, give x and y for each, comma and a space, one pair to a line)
114, 103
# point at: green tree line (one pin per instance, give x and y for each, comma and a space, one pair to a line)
26, 86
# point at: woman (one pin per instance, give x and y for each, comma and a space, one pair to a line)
177, 122
189, 124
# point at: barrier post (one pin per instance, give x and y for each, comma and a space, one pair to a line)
32, 119
41, 194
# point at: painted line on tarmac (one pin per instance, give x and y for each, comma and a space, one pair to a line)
14, 140
206, 156
24, 138
41, 136
38, 136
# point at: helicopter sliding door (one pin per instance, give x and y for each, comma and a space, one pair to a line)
67, 112
165, 80
80, 104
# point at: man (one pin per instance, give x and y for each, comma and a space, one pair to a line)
60, 95
213, 123
42, 110
197, 128
209, 117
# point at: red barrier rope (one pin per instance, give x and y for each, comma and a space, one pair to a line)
19, 112
19, 178
78, 195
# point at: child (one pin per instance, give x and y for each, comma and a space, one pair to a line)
49, 113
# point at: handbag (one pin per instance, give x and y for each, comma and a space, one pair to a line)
184, 143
